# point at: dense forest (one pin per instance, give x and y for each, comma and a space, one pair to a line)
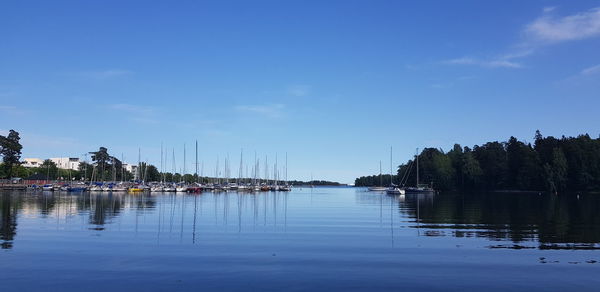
566, 164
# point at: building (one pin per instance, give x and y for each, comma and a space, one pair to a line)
132, 168
66, 162
32, 162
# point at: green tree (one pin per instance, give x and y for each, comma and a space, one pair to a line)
492, 159
10, 150
49, 169
556, 172
457, 159
152, 173
472, 172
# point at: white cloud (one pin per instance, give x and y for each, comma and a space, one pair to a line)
546, 29
299, 90
106, 74
137, 113
591, 70
10, 109
131, 108
268, 110
491, 63
7, 107
549, 28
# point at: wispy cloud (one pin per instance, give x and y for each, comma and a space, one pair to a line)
140, 114
299, 90
268, 110
551, 29
131, 108
545, 30
591, 70
490, 63
106, 74
10, 109
7, 108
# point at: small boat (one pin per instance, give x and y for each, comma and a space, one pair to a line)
136, 189
96, 188
420, 190
194, 189
181, 189
48, 188
77, 189
378, 189
119, 188
157, 189
395, 191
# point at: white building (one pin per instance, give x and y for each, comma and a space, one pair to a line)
130, 167
32, 162
66, 162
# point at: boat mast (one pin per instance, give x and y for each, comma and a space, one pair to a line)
196, 173
139, 170
391, 175
275, 175
122, 168
286, 176
380, 177
174, 166
417, 168
241, 166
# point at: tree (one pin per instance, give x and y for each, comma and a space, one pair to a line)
151, 171
492, 159
472, 172
101, 157
10, 149
556, 173
49, 169
458, 163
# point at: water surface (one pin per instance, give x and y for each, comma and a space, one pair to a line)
308, 239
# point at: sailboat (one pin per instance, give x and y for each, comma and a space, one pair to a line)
379, 188
393, 189
286, 187
419, 188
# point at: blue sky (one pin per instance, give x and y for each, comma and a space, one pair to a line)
332, 83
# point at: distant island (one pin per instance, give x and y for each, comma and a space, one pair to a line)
316, 183
566, 164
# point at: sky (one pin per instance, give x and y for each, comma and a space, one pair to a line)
334, 84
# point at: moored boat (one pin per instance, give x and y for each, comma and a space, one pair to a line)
395, 191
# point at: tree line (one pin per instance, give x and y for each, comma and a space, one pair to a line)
566, 164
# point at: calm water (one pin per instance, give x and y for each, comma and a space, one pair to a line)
308, 239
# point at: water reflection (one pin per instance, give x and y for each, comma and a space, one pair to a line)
171, 215
553, 222
501, 220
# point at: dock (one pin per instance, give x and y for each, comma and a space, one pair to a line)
12, 187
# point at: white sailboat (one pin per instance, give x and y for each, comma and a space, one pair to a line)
419, 189
379, 188
393, 189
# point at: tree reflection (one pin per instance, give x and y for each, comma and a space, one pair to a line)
8, 220
548, 219
100, 208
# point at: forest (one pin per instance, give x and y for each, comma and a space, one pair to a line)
566, 164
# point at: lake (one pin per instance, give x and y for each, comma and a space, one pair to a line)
308, 239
